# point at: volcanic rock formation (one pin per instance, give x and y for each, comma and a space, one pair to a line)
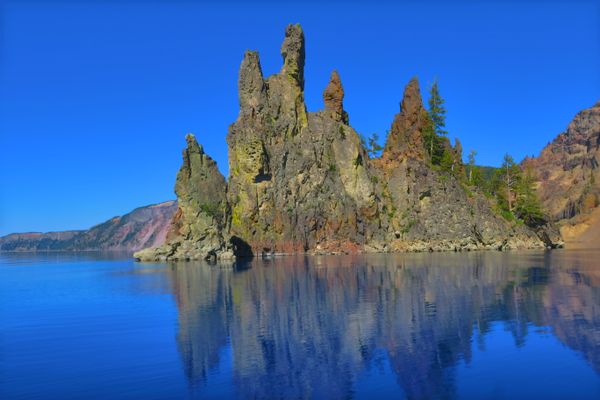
197, 227
567, 167
569, 185
302, 182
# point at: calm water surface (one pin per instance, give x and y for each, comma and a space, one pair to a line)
451, 326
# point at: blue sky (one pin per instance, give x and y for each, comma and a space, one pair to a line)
97, 96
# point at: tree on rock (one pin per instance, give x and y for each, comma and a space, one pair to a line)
437, 111
434, 130
515, 192
371, 144
527, 204
509, 175
472, 166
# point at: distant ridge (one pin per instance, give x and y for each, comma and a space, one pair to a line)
142, 227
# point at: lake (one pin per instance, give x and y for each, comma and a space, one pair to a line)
523, 325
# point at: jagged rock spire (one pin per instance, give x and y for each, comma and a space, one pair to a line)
406, 136
333, 97
293, 54
251, 84
199, 177
197, 227
411, 100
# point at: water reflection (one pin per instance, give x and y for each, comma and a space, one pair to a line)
309, 326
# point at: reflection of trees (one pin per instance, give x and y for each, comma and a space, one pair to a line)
302, 327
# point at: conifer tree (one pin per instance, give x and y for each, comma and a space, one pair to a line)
507, 177
437, 111
458, 167
374, 147
472, 155
371, 144
434, 128
527, 204
430, 139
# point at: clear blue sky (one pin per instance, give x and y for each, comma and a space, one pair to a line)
96, 96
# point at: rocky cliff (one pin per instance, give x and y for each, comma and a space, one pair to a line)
143, 227
568, 181
302, 182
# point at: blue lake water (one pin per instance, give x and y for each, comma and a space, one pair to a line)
415, 326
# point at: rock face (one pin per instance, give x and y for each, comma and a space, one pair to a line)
406, 136
567, 173
429, 210
302, 182
567, 167
143, 227
333, 97
197, 228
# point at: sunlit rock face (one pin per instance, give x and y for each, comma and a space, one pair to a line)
298, 181
568, 180
299, 327
567, 167
302, 181
197, 227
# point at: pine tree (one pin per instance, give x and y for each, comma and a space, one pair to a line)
437, 111
472, 155
447, 161
430, 139
434, 128
374, 148
371, 144
527, 204
505, 183
458, 167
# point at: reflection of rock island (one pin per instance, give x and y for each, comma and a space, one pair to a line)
309, 326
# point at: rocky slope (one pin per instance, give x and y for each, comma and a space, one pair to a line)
567, 172
302, 182
143, 227
37, 241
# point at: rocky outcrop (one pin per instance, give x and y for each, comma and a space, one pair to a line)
197, 228
297, 180
302, 182
568, 181
143, 227
333, 97
405, 139
567, 167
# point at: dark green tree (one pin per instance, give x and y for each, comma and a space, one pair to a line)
505, 182
434, 131
371, 144
437, 111
430, 139
447, 161
472, 155
374, 147
527, 205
